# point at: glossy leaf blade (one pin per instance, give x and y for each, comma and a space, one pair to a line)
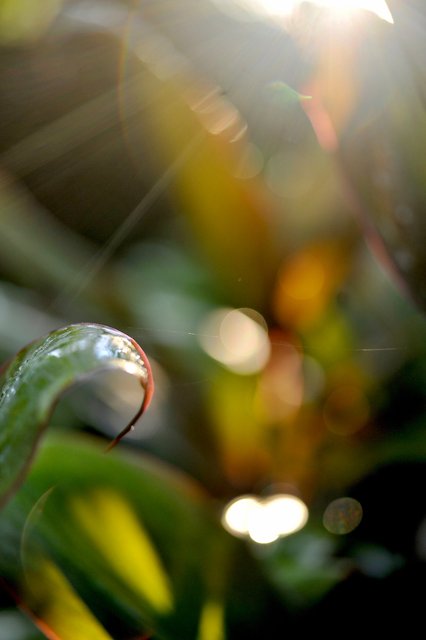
132, 537
33, 381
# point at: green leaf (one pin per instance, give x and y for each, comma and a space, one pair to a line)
33, 381
64, 613
122, 540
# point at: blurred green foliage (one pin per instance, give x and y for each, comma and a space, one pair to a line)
162, 172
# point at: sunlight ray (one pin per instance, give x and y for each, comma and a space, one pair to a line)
282, 8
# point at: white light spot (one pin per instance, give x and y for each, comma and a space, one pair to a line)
265, 520
287, 513
262, 526
237, 338
282, 8
237, 514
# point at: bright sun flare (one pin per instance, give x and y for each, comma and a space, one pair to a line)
285, 7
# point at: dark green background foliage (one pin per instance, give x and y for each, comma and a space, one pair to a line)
162, 164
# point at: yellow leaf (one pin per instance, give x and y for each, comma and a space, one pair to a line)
113, 527
25, 20
58, 610
211, 621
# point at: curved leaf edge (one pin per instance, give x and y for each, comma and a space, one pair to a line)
18, 364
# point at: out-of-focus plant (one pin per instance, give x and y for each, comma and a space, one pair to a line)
186, 172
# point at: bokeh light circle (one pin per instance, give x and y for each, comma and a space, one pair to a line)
237, 338
236, 514
342, 516
264, 520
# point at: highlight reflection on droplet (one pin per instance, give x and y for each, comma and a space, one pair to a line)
237, 338
342, 515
